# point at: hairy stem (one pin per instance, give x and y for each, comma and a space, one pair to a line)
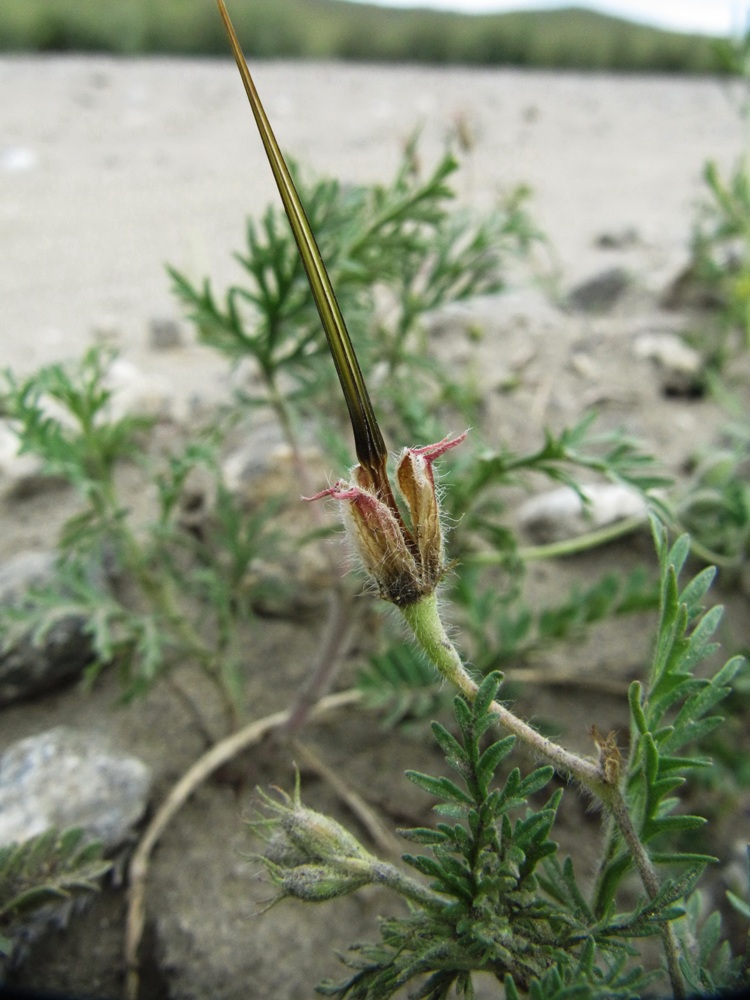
424, 620
429, 631
649, 878
390, 876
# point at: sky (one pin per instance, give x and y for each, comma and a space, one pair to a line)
715, 17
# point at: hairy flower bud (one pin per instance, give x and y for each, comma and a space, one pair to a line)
297, 835
310, 856
416, 481
406, 565
318, 883
319, 836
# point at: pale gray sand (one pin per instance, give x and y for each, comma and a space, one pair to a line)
111, 168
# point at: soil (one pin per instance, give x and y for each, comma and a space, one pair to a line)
111, 168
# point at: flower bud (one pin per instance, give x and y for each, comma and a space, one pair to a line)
319, 836
297, 835
310, 856
318, 883
416, 481
406, 565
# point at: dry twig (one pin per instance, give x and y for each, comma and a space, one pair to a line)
203, 768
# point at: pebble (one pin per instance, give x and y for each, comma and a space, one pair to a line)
31, 568
29, 668
690, 290
680, 366
21, 475
164, 334
620, 239
561, 514
602, 292
136, 393
262, 468
66, 777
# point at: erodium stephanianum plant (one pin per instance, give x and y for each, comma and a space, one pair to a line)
406, 563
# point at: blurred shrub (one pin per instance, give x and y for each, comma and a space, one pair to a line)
334, 29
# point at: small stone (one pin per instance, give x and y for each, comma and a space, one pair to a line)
602, 292
107, 331
137, 394
561, 514
689, 289
263, 468
63, 778
164, 334
291, 588
29, 668
28, 569
584, 365
680, 366
21, 475
620, 239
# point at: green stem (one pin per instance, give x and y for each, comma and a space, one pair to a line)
649, 878
592, 540
388, 875
712, 558
160, 591
567, 547
424, 619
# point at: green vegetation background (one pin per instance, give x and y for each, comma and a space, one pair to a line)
336, 29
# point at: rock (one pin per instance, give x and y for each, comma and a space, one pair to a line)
20, 475
691, 290
681, 367
137, 394
621, 239
294, 587
602, 292
262, 469
164, 334
65, 777
26, 570
28, 669
561, 514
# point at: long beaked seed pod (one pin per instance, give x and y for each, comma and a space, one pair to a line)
406, 562
368, 439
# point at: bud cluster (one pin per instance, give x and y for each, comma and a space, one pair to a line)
310, 856
405, 564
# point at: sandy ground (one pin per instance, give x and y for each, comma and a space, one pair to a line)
108, 170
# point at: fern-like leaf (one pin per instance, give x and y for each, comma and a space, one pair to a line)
50, 866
